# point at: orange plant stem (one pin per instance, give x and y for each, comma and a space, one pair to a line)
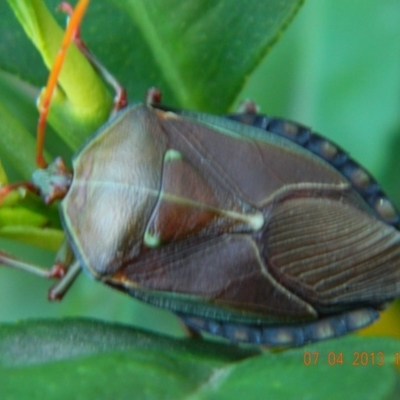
73, 25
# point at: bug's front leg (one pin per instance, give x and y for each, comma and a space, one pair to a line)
65, 269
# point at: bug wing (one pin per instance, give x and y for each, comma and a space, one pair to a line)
203, 276
320, 241
252, 164
332, 254
319, 250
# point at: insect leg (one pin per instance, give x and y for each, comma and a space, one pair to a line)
65, 268
120, 98
153, 97
58, 291
56, 272
248, 107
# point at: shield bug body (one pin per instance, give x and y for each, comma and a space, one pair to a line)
248, 227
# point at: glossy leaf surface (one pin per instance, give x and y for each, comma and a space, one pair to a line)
53, 355
301, 82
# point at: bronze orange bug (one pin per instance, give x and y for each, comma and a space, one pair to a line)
248, 227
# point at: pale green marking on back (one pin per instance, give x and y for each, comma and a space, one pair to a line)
173, 155
151, 240
256, 220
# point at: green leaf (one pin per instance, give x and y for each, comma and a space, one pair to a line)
81, 102
336, 69
45, 238
25, 218
3, 176
200, 49
190, 51
180, 49
16, 143
85, 359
